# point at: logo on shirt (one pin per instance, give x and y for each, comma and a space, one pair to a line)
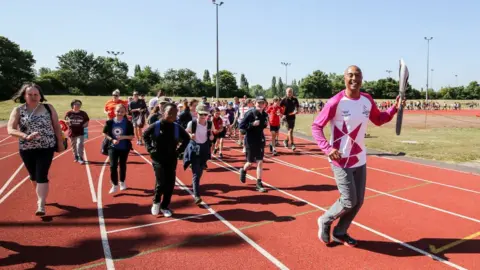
117, 131
366, 111
346, 113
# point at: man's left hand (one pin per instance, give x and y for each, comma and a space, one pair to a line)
397, 102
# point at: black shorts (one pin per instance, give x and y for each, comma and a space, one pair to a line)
254, 153
274, 128
220, 135
290, 123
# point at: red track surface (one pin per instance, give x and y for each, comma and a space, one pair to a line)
428, 210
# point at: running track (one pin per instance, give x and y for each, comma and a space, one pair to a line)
414, 216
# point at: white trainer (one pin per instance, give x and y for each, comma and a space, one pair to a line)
113, 189
123, 186
166, 212
155, 209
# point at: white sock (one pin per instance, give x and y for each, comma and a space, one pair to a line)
42, 192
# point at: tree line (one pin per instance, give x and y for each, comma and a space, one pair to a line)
82, 73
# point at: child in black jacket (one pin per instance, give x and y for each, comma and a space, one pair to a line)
161, 140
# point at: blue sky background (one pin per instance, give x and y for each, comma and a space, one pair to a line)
255, 36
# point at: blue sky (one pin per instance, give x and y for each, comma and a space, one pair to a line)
255, 36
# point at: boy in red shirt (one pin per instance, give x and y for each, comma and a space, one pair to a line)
274, 112
219, 132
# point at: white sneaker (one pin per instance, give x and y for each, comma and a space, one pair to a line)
123, 186
244, 150
113, 189
166, 212
155, 209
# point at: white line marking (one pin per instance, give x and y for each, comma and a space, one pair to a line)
231, 168
229, 225
26, 178
89, 175
8, 137
407, 161
312, 154
376, 191
8, 143
101, 221
158, 223
8, 156
11, 178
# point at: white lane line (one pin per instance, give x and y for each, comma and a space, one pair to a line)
374, 190
101, 221
11, 178
406, 161
8, 143
232, 169
158, 223
89, 176
8, 156
8, 137
262, 251
312, 154
26, 178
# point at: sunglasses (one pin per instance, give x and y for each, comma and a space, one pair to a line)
116, 95
203, 114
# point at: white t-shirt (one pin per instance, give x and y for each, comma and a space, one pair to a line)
200, 133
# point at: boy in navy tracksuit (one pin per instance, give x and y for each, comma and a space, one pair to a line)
252, 125
161, 140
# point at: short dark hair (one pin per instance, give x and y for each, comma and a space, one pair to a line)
19, 96
75, 101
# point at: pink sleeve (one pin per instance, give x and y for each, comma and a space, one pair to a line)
376, 116
327, 113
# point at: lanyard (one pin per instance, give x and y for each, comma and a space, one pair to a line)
30, 115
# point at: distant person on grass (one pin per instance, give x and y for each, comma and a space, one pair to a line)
161, 140
77, 120
119, 131
348, 113
37, 126
110, 106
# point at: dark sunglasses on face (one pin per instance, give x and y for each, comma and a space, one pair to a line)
202, 114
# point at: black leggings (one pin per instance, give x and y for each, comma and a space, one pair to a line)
118, 157
37, 162
165, 183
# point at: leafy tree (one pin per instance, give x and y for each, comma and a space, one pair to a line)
316, 85
16, 67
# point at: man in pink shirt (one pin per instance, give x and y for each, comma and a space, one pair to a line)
348, 113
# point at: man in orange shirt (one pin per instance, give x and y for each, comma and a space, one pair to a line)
110, 105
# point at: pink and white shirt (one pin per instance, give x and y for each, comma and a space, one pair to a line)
348, 124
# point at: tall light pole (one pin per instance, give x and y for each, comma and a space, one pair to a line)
218, 75
114, 53
456, 80
431, 80
388, 71
286, 71
428, 62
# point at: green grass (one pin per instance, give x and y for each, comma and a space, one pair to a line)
446, 144
443, 144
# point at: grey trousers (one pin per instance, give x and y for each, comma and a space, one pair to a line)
78, 146
351, 184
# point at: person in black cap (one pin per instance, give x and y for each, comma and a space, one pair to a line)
252, 126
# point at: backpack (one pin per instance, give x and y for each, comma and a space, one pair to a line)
157, 129
209, 128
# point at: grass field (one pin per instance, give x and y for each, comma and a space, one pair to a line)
443, 139
452, 139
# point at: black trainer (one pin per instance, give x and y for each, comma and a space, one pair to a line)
323, 232
260, 186
345, 239
243, 175
271, 148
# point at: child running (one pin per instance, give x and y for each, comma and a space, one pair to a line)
252, 125
274, 112
77, 120
161, 140
219, 131
119, 131
197, 152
